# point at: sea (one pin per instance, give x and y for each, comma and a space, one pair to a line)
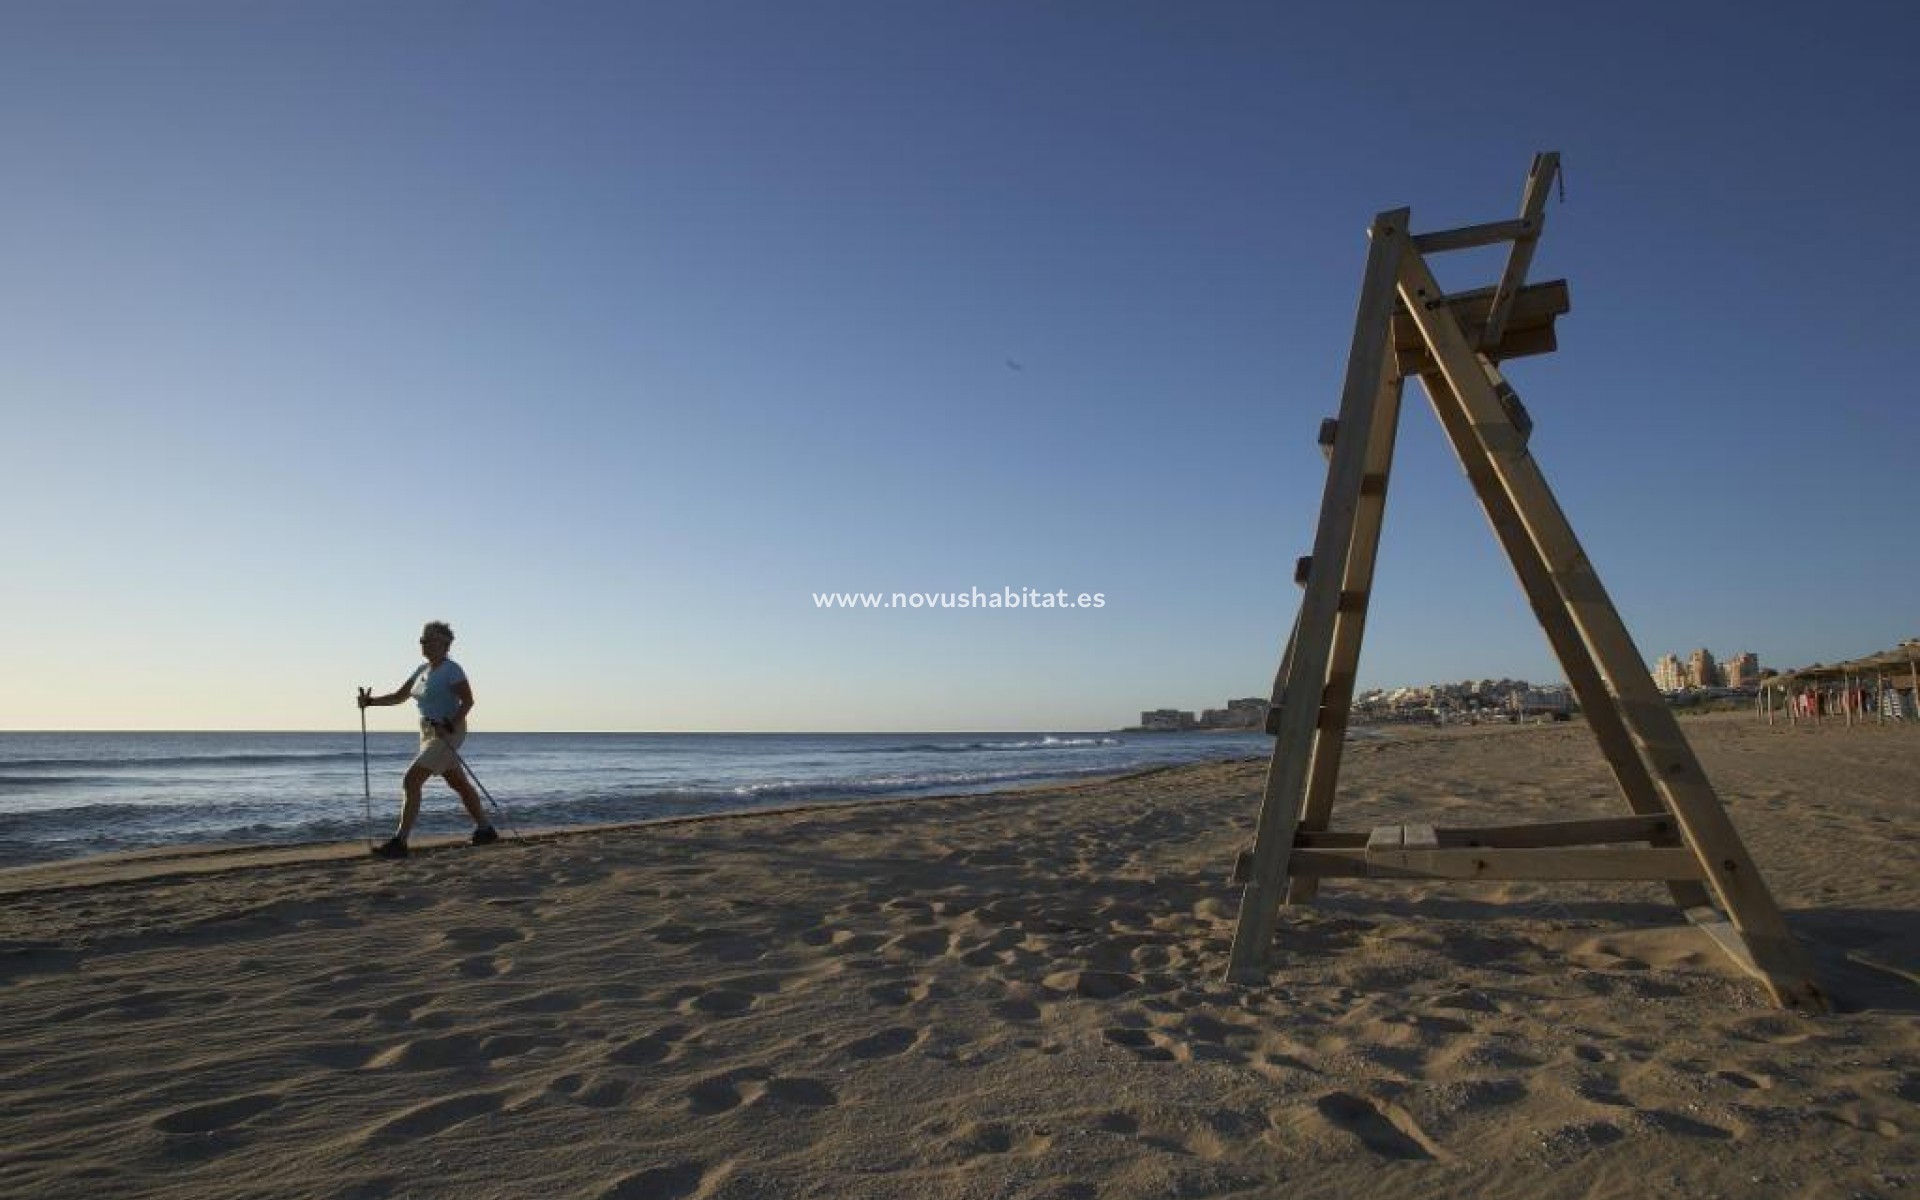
68, 795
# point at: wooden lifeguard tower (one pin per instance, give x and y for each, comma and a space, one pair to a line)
1678, 832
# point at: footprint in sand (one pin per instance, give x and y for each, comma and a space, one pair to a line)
901, 993
594, 1091
221, 1114
475, 938
982, 1139
756, 1087
671, 1182
433, 1054
1388, 1132
339, 1056
512, 1045
1094, 985
925, 943
1143, 1044
1679, 1123
557, 1000
1020, 1003
887, 1043
846, 941
649, 1048
426, 1120
724, 1092
720, 1002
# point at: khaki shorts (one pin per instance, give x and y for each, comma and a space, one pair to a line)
436, 755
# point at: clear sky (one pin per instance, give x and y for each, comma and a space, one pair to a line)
612, 332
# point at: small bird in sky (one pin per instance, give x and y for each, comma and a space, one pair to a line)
1014, 366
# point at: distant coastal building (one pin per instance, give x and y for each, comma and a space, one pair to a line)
1247, 713
1167, 720
1702, 671
1742, 670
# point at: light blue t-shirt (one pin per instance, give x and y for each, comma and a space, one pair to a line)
433, 689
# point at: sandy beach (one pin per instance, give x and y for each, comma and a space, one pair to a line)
1016, 995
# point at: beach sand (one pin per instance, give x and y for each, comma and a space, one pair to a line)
998, 996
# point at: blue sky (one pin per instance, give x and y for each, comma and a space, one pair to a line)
611, 333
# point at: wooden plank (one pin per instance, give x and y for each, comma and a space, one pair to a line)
1518, 343
1384, 838
1347, 839
1533, 208
1470, 236
1536, 306
1285, 787
1571, 864
1704, 823
1343, 661
1595, 831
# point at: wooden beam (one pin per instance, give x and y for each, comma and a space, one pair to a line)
1598, 703
1598, 831
1519, 343
1285, 788
1470, 236
1533, 208
1705, 826
1573, 864
1593, 831
1343, 660
1535, 305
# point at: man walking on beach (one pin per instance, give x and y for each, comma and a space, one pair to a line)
445, 697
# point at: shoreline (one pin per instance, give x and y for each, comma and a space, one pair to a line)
190, 858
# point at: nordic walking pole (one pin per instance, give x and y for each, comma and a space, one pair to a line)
366, 772
499, 813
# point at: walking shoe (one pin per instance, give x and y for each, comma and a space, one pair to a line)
486, 835
391, 848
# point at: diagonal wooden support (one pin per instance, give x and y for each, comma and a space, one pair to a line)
1705, 827
1306, 682
1533, 211
1597, 704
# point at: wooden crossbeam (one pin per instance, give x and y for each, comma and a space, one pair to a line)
1589, 832
1529, 328
1491, 234
1573, 864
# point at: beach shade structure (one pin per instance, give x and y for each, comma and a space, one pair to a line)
1889, 679
1677, 831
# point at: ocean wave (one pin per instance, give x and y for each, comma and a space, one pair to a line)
988, 747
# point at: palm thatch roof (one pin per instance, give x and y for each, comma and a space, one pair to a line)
1898, 661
